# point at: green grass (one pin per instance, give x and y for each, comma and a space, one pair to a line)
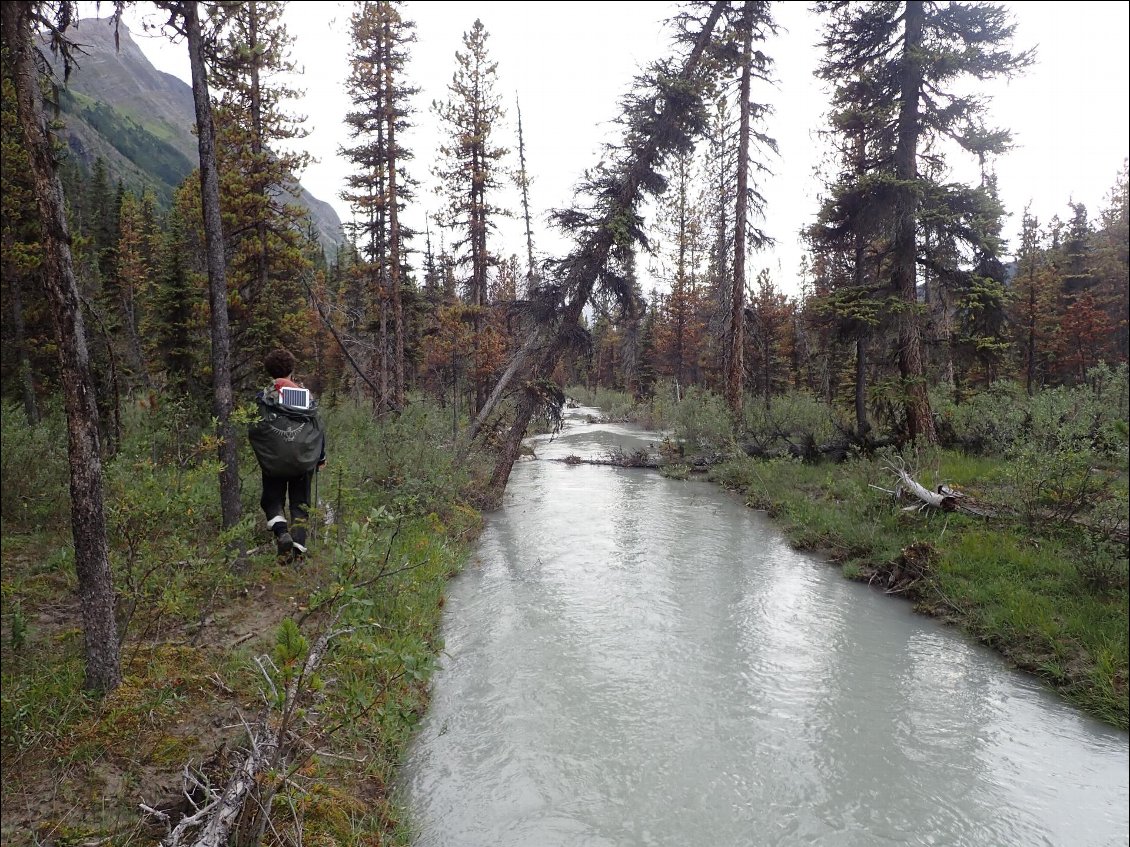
1017, 588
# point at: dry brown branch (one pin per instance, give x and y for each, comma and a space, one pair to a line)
272, 745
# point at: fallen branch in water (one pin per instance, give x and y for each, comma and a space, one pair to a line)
617, 458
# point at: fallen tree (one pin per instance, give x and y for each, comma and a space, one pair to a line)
948, 499
662, 119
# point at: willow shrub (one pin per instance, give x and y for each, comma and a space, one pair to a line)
402, 457
699, 420
33, 471
791, 417
1002, 420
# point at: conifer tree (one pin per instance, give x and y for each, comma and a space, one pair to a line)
899, 65
717, 199
770, 314
1112, 262
170, 325
1032, 290
469, 168
681, 333
645, 354
379, 186
21, 256
259, 171
133, 273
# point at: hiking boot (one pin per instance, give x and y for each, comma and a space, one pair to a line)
284, 544
298, 553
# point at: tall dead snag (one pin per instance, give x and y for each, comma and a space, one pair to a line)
661, 117
88, 520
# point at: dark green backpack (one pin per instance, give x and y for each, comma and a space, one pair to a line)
287, 441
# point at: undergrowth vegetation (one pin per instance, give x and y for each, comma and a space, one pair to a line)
203, 613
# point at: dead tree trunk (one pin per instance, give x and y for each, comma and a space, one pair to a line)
735, 379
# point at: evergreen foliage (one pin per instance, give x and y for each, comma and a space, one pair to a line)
379, 188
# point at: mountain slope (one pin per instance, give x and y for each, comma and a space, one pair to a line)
140, 121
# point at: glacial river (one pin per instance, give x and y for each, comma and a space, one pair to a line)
632, 660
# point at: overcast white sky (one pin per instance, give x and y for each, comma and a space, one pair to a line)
569, 62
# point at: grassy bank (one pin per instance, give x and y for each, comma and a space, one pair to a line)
210, 636
1051, 599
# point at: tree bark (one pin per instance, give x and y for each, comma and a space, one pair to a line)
230, 507
88, 520
919, 420
393, 225
862, 425
735, 379
1030, 346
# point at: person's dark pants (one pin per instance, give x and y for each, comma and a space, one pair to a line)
276, 490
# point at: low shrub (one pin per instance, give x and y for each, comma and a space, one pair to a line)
33, 471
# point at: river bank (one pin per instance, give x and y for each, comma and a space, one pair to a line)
208, 638
1029, 592
1050, 595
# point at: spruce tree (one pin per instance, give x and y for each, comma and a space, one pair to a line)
469, 167
170, 325
258, 171
21, 257
379, 185
1112, 262
898, 67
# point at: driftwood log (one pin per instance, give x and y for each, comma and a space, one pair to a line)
644, 459
947, 499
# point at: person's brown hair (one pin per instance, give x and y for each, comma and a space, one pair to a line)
279, 363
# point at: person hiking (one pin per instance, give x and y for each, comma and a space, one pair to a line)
290, 445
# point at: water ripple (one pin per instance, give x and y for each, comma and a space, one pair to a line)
637, 661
